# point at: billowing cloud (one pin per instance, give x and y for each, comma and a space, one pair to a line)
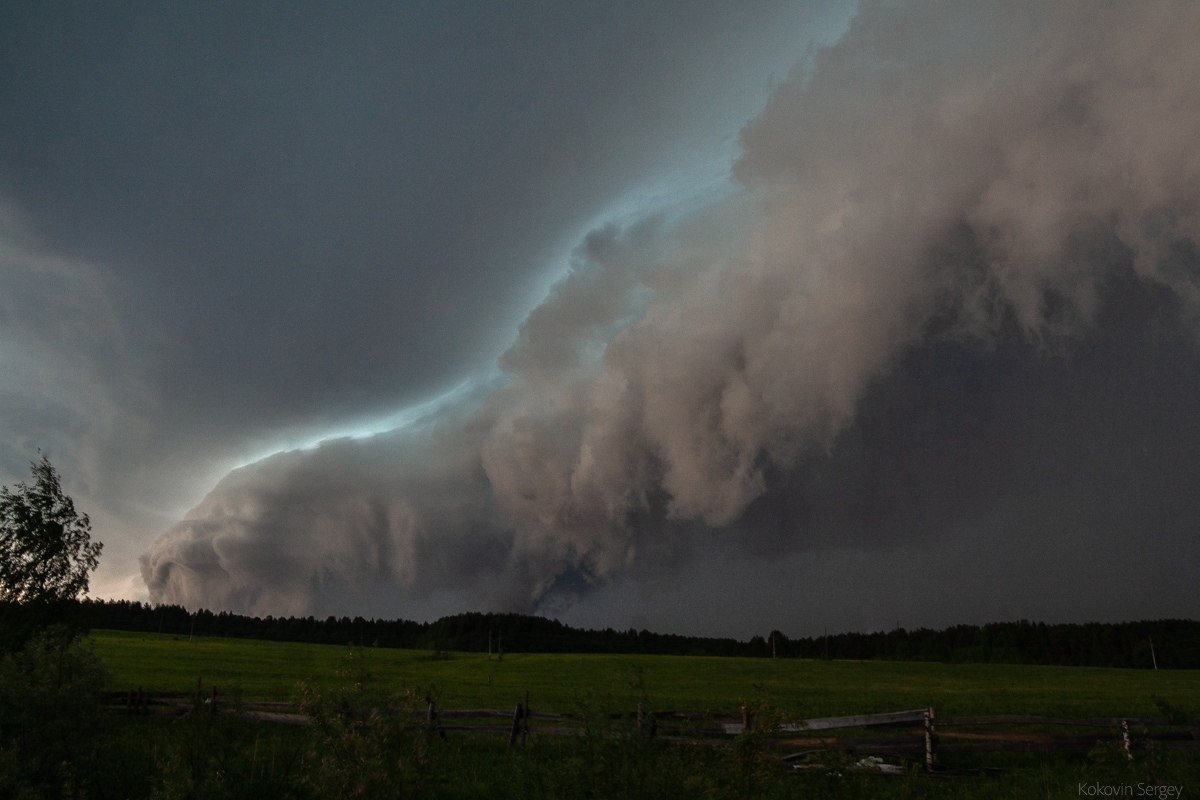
227, 232
343, 526
953, 226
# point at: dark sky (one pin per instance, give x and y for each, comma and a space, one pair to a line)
711, 317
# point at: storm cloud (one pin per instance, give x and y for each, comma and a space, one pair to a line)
231, 230
947, 314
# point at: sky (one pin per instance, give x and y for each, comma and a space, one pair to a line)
708, 317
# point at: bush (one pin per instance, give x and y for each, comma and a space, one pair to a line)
368, 742
49, 716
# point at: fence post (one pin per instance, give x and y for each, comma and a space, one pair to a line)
1126, 743
516, 725
930, 741
747, 719
525, 721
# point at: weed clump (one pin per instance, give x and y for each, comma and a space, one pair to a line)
368, 741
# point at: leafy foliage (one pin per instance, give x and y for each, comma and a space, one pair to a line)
49, 680
49, 717
46, 550
370, 742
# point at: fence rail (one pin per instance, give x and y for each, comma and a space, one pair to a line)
921, 734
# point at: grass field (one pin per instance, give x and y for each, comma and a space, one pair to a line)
275, 670
65, 747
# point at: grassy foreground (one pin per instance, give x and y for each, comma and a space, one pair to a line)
275, 670
351, 752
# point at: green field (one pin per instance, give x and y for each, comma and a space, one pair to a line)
275, 670
368, 735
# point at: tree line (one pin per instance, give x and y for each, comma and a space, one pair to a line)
1165, 643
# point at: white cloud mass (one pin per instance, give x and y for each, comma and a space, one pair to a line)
948, 188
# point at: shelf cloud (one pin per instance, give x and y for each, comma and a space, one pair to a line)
952, 297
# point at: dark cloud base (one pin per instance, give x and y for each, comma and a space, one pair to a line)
1092, 438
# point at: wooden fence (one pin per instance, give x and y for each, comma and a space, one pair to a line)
916, 735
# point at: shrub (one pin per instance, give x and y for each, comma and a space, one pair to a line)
49, 716
368, 742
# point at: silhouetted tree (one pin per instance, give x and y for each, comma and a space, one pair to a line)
49, 678
46, 548
46, 552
